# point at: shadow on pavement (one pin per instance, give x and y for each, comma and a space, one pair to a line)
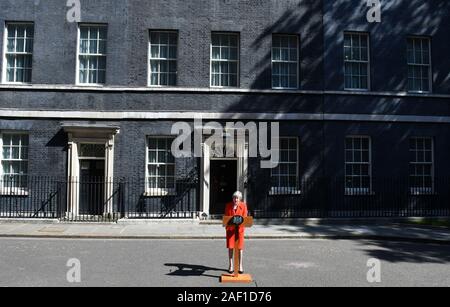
396, 252
183, 269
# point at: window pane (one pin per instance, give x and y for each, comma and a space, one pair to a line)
103, 33
233, 53
93, 32
101, 63
224, 53
418, 75
20, 45
164, 52
276, 81
154, 52
93, 46
101, 76
216, 53
293, 55
276, 54
10, 45
102, 47
20, 31
173, 52
84, 33
172, 79
6, 152
84, 45
224, 48
152, 170
284, 62
92, 42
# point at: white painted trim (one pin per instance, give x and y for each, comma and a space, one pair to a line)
298, 62
157, 191
149, 56
1, 159
205, 173
74, 171
430, 66
122, 89
4, 64
13, 191
77, 72
77, 65
238, 77
205, 178
359, 191
369, 85
145, 115
4, 51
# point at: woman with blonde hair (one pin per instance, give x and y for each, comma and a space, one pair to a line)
236, 208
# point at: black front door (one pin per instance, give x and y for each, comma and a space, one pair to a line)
92, 187
223, 178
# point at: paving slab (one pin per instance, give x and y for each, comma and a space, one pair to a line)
197, 230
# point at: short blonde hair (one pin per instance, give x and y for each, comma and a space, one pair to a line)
237, 194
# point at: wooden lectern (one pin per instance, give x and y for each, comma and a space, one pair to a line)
236, 277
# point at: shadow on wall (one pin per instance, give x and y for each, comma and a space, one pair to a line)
60, 139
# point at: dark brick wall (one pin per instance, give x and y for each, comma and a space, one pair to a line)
55, 44
129, 22
399, 19
321, 147
47, 153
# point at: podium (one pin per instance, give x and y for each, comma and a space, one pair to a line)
243, 222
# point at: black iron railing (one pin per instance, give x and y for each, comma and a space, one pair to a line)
100, 200
336, 198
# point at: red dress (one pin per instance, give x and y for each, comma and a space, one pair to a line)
229, 211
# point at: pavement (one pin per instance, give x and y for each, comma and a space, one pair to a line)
183, 264
196, 229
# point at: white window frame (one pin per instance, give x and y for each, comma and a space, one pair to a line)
5, 52
278, 190
358, 191
360, 34
168, 59
13, 190
77, 73
157, 192
423, 190
430, 67
211, 60
289, 62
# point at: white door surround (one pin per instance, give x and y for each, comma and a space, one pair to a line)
89, 134
205, 173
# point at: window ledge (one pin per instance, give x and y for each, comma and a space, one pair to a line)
422, 192
359, 192
159, 192
92, 85
13, 192
285, 191
356, 90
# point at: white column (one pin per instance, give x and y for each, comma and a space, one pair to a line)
109, 175
242, 153
73, 177
205, 178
